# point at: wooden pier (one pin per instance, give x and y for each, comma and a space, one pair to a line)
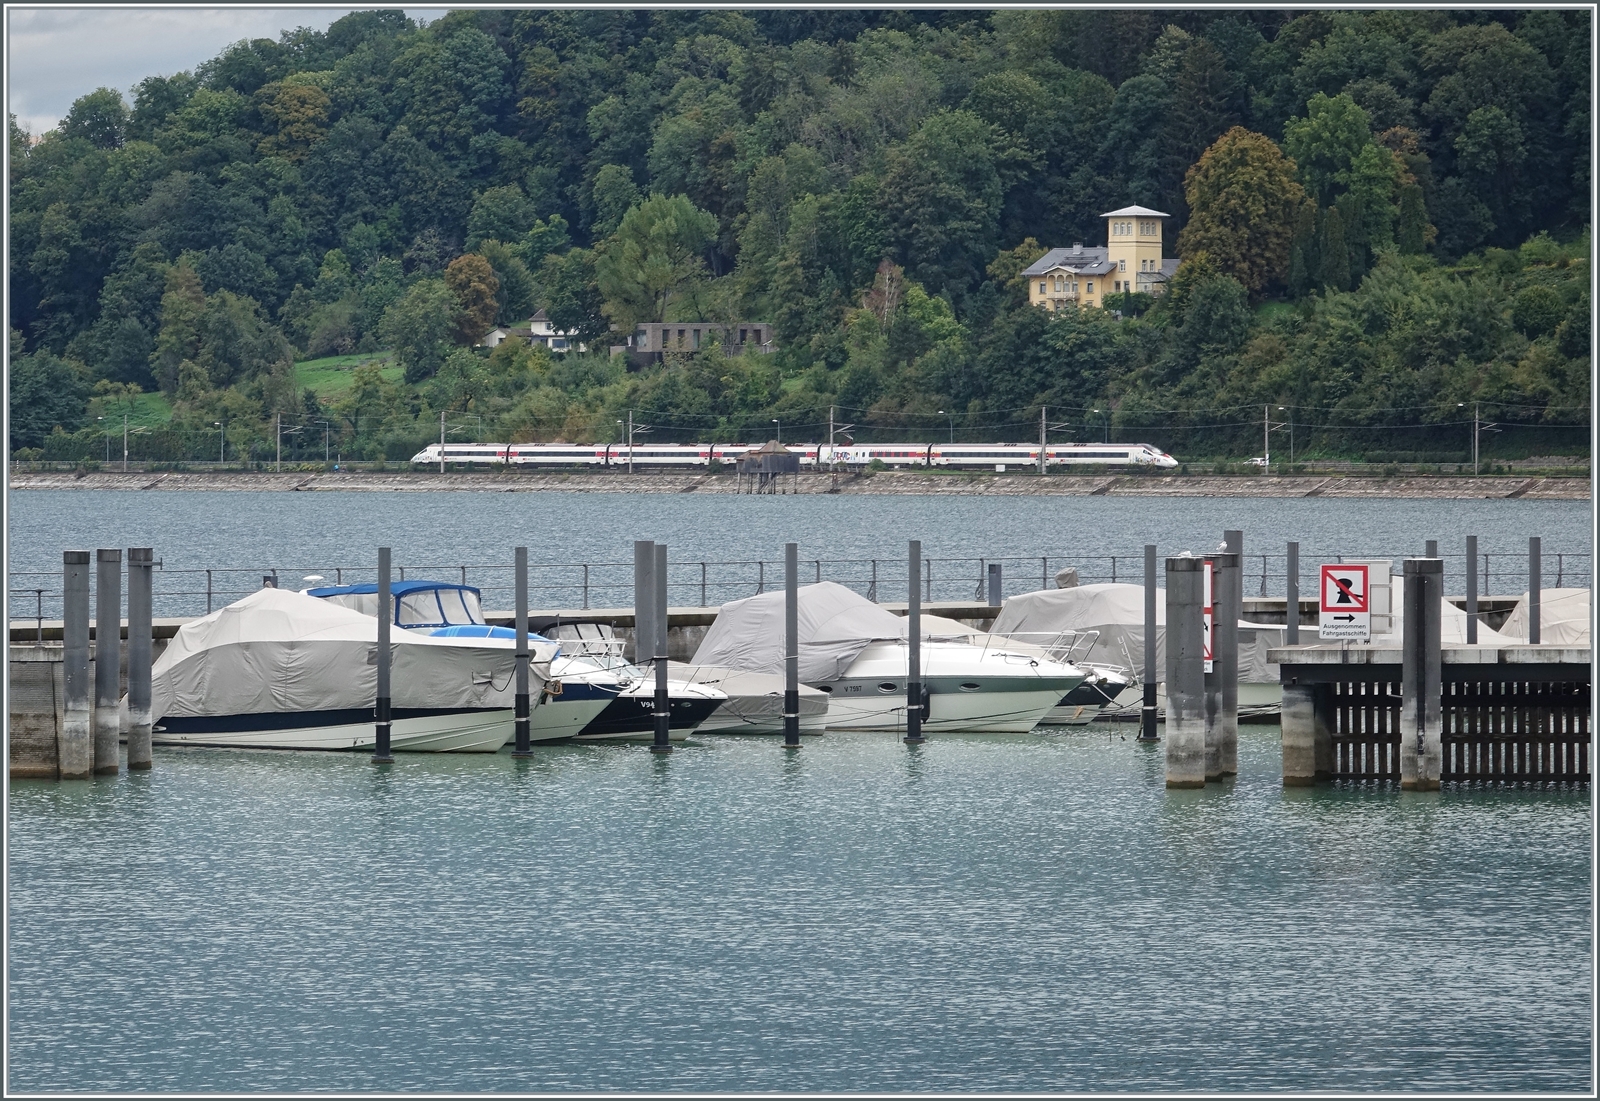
1516, 713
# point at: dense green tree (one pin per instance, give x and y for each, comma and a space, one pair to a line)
1244, 202
472, 281
654, 255
99, 118
420, 327
47, 393
515, 286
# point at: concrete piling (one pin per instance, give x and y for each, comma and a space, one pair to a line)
75, 751
1291, 633
1229, 602
914, 645
1472, 590
140, 599
1307, 734
522, 743
658, 625
1535, 582
382, 753
1186, 712
1147, 711
1421, 689
995, 587
791, 646
644, 600
108, 661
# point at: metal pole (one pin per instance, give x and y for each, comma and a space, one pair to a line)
522, 746
914, 646
995, 593
140, 596
77, 743
663, 711
277, 431
124, 443
630, 441
1147, 712
1291, 633
441, 441
1420, 679
791, 645
208, 592
1186, 710
107, 660
1042, 435
381, 753
1535, 562
1472, 590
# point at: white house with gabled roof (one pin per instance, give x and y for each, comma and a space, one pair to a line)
1130, 261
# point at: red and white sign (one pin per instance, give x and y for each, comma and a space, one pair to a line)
1208, 628
1346, 607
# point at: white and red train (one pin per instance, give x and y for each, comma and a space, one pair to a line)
975, 456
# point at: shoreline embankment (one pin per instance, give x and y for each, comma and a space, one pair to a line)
886, 483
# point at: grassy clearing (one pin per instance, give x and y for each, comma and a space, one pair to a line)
1269, 311
333, 374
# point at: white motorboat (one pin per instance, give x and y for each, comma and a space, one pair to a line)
858, 653
282, 670
755, 701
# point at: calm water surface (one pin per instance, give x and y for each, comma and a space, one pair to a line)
1028, 913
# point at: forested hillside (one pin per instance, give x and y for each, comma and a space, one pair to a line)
1382, 216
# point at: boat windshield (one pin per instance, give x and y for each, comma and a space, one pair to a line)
439, 607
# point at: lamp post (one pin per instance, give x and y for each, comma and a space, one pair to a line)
124, 442
107, 436
1106, 424
778, 438
1290, 425
952, 417
222, 445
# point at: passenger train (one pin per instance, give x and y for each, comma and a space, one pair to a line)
986, 456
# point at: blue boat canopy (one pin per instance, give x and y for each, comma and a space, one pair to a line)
417, 603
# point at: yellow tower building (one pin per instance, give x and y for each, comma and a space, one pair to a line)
1130, 261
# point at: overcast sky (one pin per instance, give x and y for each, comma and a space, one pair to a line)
56, 54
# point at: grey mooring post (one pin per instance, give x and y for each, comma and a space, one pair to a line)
996, 587
1291, 604
140, 596
1222, 683
1421, 740
1227, 643
1186, 710
658, 624
1147, 712
522, 745
1472, 590
644, 600
914, 646
107, 661
382, 753
1535, 562
1308, 723
791, 646
76, 748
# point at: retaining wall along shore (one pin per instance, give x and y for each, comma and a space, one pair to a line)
881, 482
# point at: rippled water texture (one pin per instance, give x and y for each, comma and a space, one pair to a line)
1027, 913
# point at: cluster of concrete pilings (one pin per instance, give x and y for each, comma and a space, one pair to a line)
1203, 672
92, 723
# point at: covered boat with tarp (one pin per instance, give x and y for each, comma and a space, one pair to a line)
284, 670
1101, 627
857, 652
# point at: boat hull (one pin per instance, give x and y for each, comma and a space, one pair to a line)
630, 717
1014, 708
413, 730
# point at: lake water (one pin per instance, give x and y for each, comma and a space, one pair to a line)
997, 913
318, 532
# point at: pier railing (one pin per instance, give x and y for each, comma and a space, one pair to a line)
36, 596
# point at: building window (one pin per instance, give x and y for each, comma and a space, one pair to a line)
1041, 286
1091, 286
696, 340
1122, 265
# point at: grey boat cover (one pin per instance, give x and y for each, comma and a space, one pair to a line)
277, 651
1563, 619
835, 625
1055, 618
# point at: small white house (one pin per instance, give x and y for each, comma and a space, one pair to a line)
539, 330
